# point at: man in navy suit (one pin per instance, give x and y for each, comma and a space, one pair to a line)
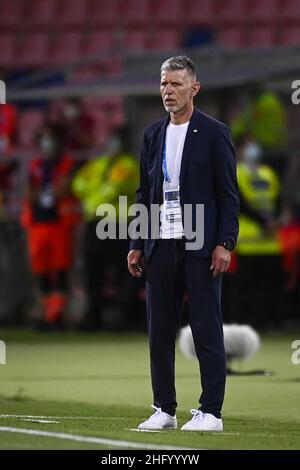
187, 159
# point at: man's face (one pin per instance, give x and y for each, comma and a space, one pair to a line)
71, 111
177, 89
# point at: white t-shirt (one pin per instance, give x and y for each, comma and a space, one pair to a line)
175, 138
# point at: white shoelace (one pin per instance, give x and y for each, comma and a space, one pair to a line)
197, 414
158, 414
158, 411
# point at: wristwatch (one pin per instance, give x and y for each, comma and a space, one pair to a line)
228, 245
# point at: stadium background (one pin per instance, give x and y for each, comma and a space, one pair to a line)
107, 54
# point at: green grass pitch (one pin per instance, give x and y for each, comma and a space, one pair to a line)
98, 385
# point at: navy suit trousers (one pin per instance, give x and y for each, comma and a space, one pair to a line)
172, 272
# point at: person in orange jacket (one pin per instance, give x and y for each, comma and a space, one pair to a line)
50, 214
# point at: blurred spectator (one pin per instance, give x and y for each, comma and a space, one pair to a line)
264, 119
100, 181
8, 164
8, 168
258, 248
7, 140
8, 121
290, 235
290, 238
50, 214
77, 125
14, 285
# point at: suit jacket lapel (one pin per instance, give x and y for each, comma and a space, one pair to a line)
194, 130
159, 157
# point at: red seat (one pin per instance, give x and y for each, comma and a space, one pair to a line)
35, 49
261, 37
136, 40
11, 12
107, 103
29, 123
7, 48
232, 37
290, 36
231, 11
290, 10
84, 75
199, 13
68, 48
100, 125
112, 66
98, 42
135, 12
168, 11
105, 12
166, 40
42, 12
73, 12
262, 11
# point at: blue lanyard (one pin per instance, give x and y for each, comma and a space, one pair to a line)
164, 166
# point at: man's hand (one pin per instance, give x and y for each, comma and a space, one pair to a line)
135, 257
220, 260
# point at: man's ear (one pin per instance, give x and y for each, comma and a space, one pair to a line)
195, 89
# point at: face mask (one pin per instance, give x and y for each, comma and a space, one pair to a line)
48, 145
71, 111
113, 145
251, 153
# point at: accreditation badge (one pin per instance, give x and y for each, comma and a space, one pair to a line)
172, 203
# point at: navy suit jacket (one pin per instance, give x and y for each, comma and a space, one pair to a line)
207, 176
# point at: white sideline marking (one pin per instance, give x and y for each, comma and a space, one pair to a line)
142, 430
40, 421
91, 440
56, 417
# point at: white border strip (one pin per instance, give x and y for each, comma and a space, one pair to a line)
90, 440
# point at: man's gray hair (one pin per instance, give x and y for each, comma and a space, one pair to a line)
180, 62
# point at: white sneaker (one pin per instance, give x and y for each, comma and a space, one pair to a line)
159, 420
203, 422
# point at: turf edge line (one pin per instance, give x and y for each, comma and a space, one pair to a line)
91, 440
